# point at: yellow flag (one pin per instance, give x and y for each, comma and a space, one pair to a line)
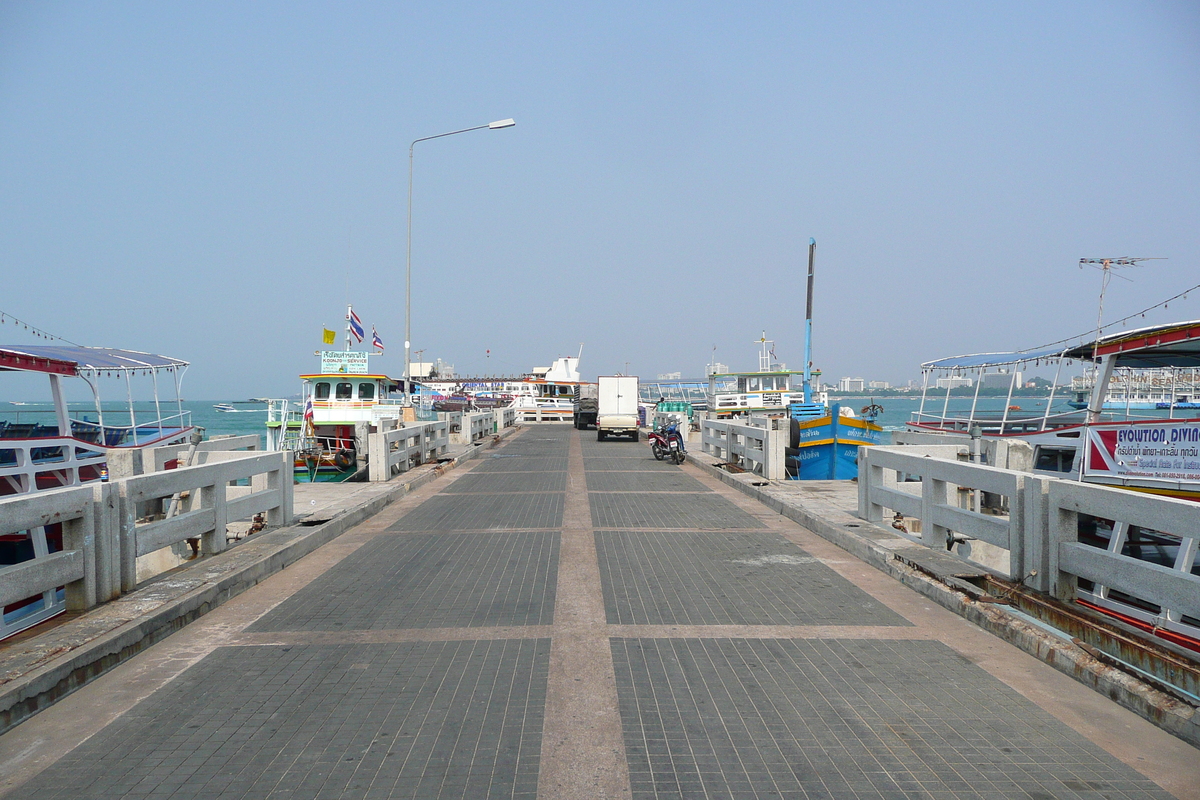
329, 337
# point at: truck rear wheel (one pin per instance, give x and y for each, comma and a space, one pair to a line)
635, 435
601, 436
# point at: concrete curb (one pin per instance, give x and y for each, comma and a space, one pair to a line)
862, 541
67, 668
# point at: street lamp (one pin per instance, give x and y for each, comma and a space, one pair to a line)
503, 123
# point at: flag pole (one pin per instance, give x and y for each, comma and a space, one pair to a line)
349, 311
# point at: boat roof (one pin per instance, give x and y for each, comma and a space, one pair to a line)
976, 360
355, 376
75, 360
1176, 344
750, 374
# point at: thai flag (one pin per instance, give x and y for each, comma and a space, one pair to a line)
375, 340
308, 411
355, 325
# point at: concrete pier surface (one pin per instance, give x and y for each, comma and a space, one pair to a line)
563, 618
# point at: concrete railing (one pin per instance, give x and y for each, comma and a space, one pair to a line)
214, 502
755, 449
161, 456
939, 506
102, 533
75, 565
1036, 528
475, 426
1174, 589
452, 418
505, 418
398, 450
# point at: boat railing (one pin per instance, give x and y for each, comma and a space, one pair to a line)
134, 435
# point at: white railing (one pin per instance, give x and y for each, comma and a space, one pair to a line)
161, 456
505, 417
453, 418
103, 532
59, 459
755, 449
949, 503
213, 503
73, 566
475, 426
398, 450
1176, 523
1036, 524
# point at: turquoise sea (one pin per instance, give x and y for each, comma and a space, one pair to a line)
251, 418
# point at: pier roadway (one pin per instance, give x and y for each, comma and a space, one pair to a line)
572, 619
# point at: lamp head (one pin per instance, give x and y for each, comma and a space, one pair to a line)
502, 123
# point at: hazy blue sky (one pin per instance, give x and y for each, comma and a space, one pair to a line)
214, 181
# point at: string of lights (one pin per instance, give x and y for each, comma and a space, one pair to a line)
6, 319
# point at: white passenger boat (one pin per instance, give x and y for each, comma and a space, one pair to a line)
58, 447
1150, 452
547, 392
322, 428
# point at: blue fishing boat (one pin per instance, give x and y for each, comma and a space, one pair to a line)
825, 439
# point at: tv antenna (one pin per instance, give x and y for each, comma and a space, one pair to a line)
1107, 267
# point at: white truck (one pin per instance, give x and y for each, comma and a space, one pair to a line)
617, 410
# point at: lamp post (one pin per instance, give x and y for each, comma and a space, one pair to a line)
503, 123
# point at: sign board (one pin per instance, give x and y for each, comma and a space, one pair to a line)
344, 361
1168, 451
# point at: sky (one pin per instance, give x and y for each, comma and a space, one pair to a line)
217, 181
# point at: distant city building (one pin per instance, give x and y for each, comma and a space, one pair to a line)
852, 385
955, 382
715, 368
878, 385
999, 380
670, 376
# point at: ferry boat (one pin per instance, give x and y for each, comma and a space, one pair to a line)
1150, 452
769, 389
320, 428
56, 447
548, 392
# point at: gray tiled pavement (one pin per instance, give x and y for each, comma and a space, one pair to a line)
704, 512
673, 481
406, 666
417, 719
430, 581
493, 482
750, 718
658, 578
470, 512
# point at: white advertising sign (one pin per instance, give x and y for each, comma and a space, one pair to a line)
344, 361
1163, 450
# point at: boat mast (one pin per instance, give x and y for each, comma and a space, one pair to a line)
812, 247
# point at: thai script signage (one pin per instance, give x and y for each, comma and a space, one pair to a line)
1163, 451
344, 361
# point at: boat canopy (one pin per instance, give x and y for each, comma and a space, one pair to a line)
984, 360
74, 360
1159, 346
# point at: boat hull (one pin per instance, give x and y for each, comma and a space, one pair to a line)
827, 446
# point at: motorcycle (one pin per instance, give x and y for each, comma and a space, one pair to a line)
666, 442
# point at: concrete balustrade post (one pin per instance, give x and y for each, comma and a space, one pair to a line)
933, 493
213, 496
1062, 528
107, 503
80, 534
1035, 534
127, 538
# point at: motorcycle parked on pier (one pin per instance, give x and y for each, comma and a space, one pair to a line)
667, 442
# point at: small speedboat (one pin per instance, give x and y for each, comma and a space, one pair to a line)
224, 407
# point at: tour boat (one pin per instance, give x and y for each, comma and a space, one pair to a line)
1157, 451
323, 427
56, 447
545, 391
